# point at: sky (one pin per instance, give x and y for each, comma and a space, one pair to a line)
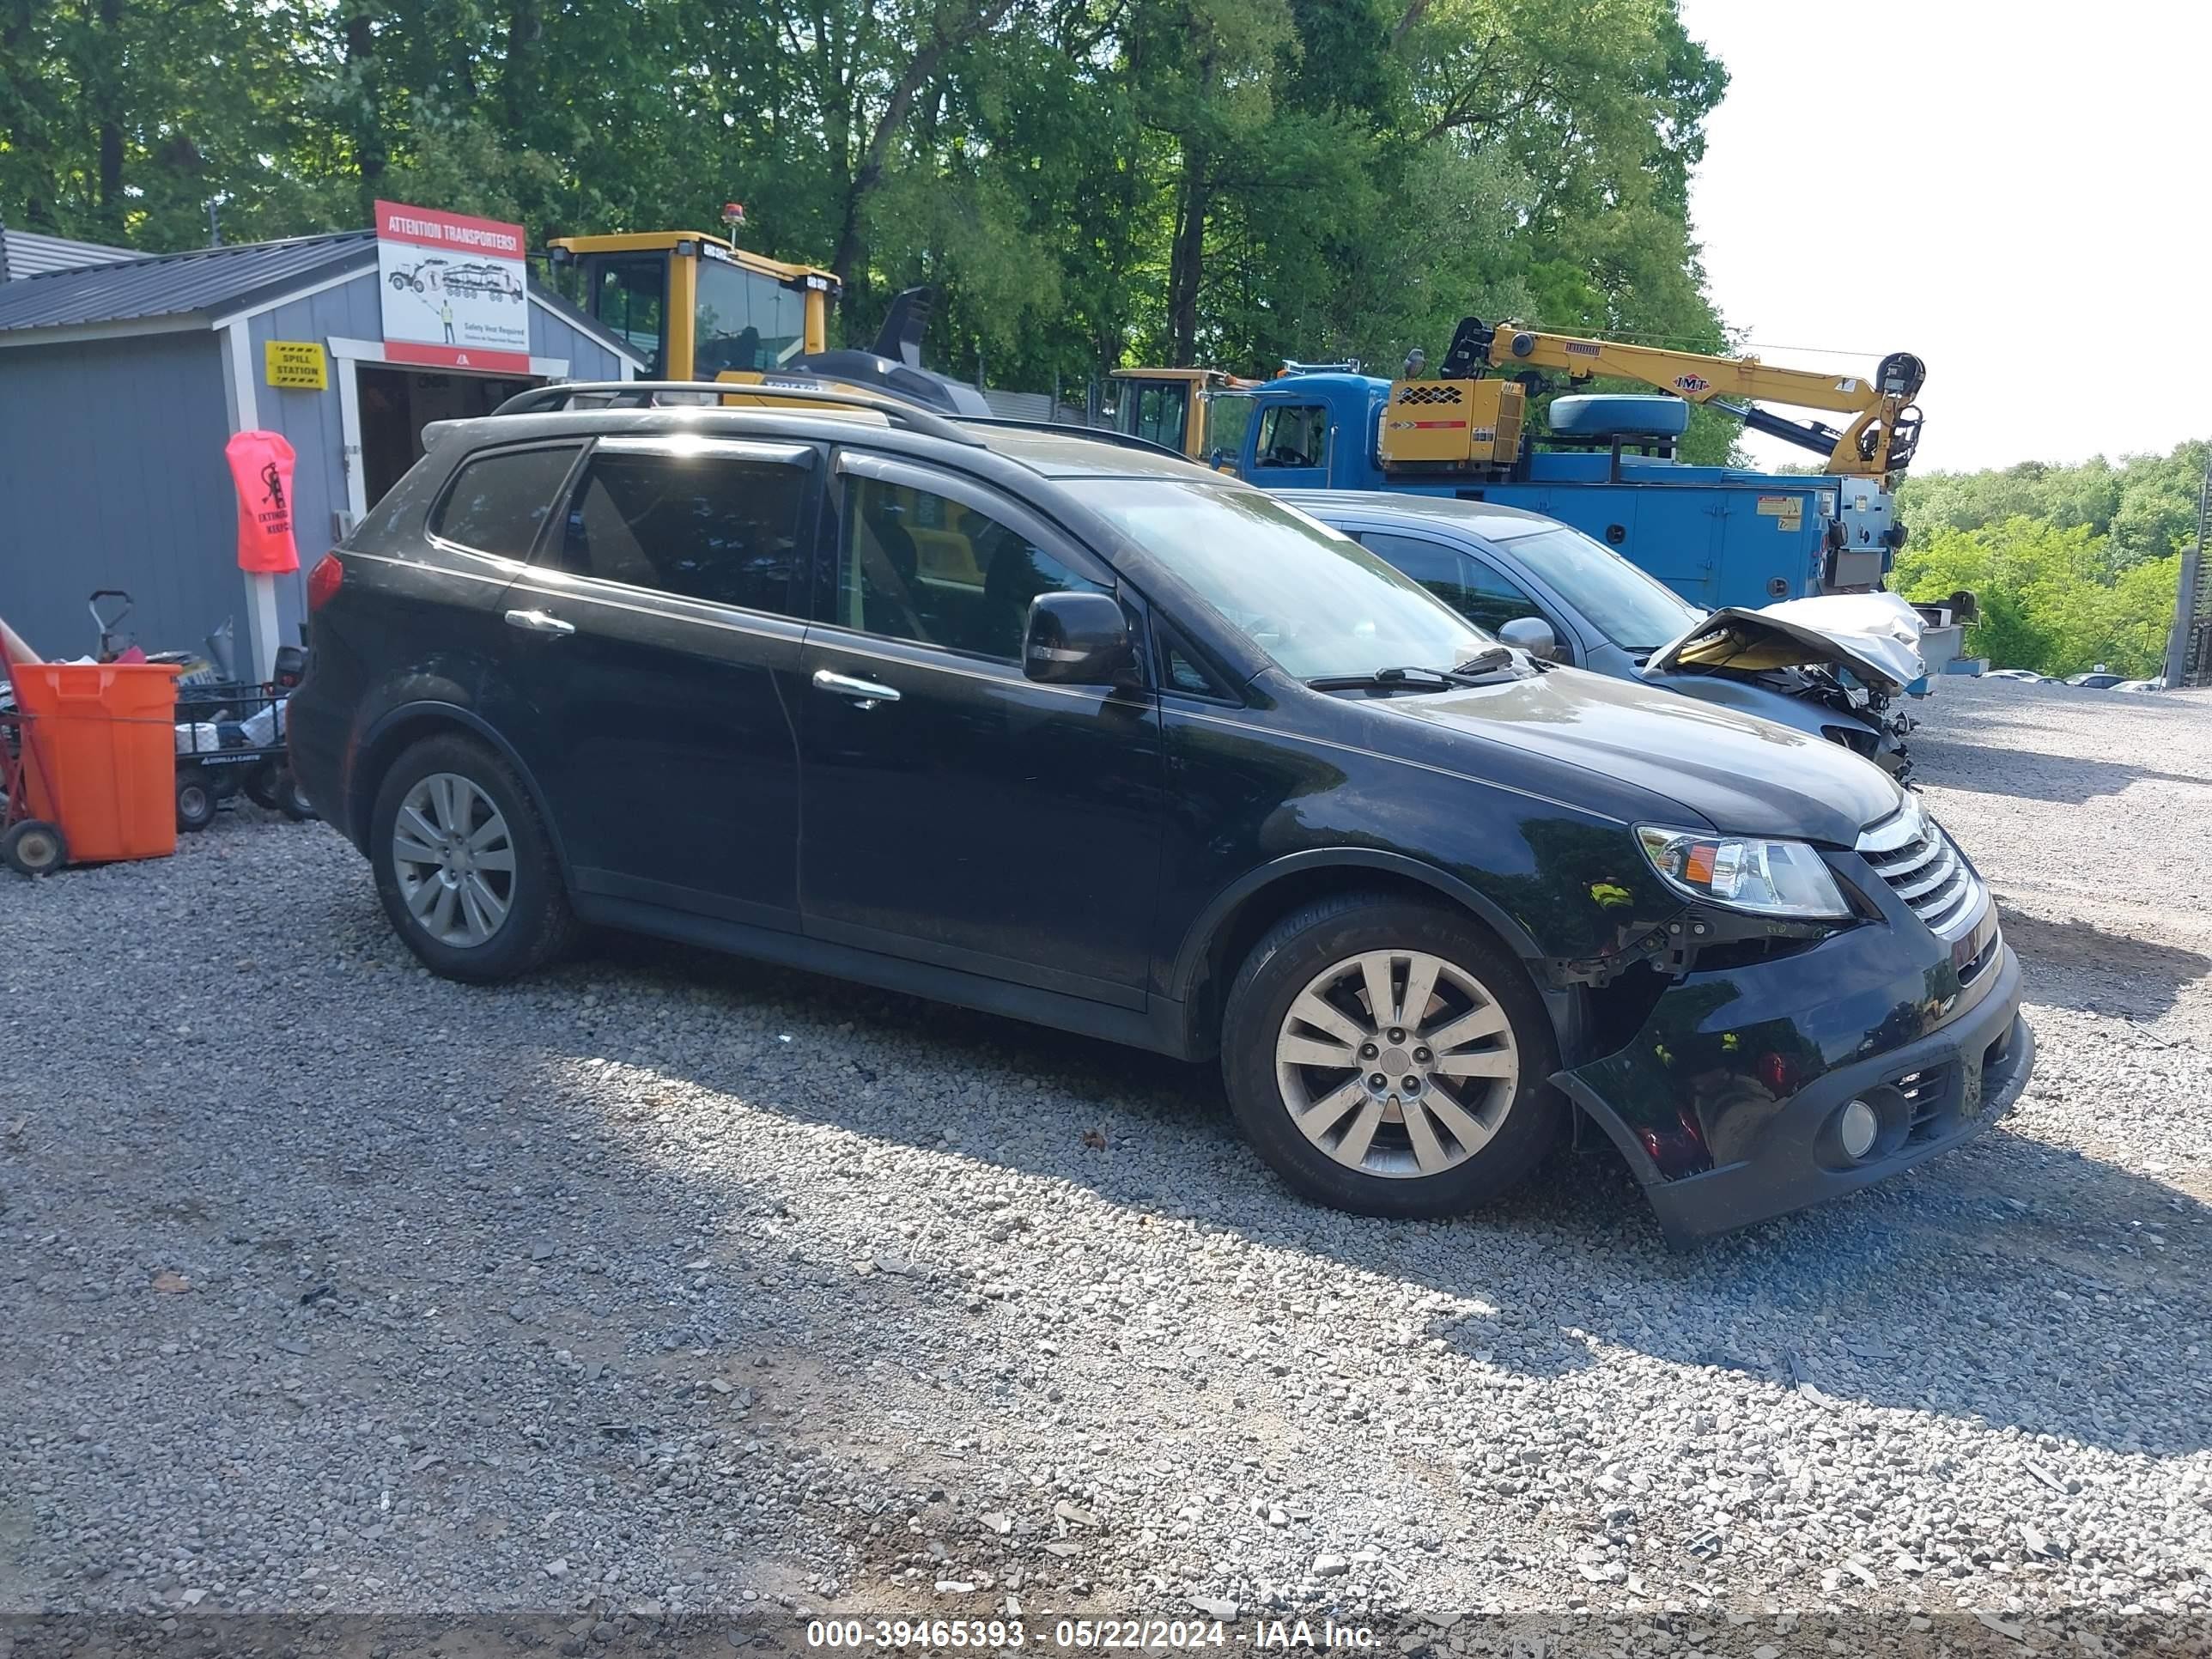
2018, 193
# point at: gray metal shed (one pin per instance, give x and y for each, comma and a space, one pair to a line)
121, 381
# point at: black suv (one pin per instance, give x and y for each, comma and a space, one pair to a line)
1062, 726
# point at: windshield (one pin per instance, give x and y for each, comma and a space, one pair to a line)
746, 320
1315, 601
1635, 611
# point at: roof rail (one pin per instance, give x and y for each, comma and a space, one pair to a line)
1102, 435
647, 394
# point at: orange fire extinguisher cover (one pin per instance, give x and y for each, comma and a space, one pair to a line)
261, 468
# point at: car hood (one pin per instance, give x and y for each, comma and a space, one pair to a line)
1875, 635
1741, 774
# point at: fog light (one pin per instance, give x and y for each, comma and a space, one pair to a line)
1858, 1126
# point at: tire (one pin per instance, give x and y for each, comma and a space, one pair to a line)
291, 799
196, 799
1452, 1126
260, 784
33, 847
453, 786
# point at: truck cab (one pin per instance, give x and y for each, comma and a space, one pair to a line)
1717, 535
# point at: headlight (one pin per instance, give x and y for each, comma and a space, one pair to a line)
1766, 878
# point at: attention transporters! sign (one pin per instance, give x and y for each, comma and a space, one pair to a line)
455, 296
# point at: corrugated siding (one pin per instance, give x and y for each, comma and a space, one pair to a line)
112, 475
553, 337
32, 253
1020, 405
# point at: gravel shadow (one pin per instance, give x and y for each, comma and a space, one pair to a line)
2006, 745
2077, 964
2060, 780
1956, 1289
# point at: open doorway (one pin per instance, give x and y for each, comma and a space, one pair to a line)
396, 404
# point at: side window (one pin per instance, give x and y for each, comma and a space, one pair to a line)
497, 501
912, 565
1182, 669
629, 295
1292, 434
712, 527
1497, 600
1439, 569
1161, 411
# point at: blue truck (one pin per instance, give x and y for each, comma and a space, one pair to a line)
1718, 536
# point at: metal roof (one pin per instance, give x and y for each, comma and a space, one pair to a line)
33, 254
203, 281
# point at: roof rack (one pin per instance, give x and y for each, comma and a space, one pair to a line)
647, 394
1102, 435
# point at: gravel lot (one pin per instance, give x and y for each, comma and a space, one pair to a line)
667, 1282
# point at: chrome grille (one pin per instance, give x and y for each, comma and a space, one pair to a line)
1910, 851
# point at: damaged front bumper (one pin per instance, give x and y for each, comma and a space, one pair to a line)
1727, 1101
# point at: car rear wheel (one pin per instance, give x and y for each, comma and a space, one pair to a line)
1387, 1057
463, 864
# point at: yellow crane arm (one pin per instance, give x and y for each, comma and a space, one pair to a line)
1880, 438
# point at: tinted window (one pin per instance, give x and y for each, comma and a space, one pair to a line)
712, 527
1183, 669
1484, 595
498, 502
1293, 435
917, 566
1436, 566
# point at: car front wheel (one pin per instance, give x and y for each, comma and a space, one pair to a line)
464, 865
1387, 1057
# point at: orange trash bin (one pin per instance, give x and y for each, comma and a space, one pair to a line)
101, 755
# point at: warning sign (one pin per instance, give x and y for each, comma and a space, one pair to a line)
453, 289
1788, 512
295, 365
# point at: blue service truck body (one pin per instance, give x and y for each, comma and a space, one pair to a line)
1718, 536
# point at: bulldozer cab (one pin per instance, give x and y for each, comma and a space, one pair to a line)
694, 306
1180, 409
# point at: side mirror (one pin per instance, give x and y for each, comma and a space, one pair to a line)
1533, 634
1079, 639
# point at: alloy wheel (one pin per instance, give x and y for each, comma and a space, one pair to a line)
1397, 1063
453, 856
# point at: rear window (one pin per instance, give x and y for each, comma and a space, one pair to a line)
498, 502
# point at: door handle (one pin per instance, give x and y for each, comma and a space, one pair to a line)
865, 694
540, 621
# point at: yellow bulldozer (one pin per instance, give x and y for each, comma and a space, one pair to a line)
699, 308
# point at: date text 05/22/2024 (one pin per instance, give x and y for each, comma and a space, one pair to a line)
1070, 1635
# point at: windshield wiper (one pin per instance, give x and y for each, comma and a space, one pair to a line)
1487, 660
1386, 680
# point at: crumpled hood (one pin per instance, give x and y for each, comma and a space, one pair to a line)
1740, 775
1875, 635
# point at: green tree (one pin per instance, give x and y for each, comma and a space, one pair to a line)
2146, 506
1088, 183
2050, 597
